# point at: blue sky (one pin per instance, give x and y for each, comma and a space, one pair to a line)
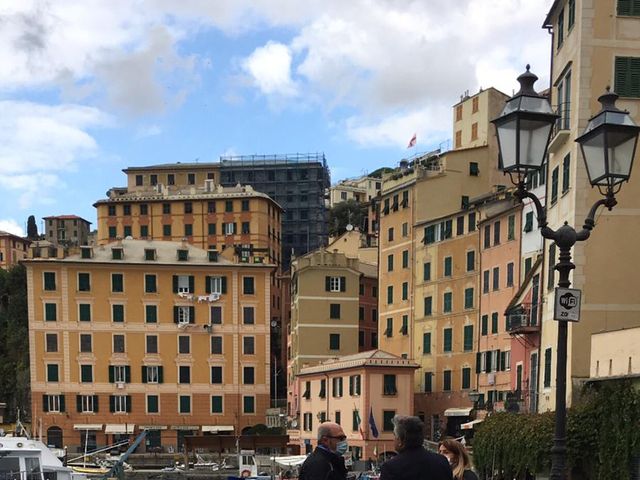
89, 88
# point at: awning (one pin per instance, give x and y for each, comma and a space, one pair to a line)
152, 427
87, 426
185, 427
470, 425
119, 428
457, 412
217, 428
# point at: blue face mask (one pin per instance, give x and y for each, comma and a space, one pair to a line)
342, 447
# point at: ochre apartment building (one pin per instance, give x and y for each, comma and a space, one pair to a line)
12, 249
141, 334
66, 230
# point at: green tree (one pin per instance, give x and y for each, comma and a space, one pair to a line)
345, 213
14, 342
32, 228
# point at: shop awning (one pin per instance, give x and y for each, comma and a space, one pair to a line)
217, 428
152, 427
87, 426
185, 427
457, 412
470, 425
119, 428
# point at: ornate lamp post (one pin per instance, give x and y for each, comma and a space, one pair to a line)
608, 146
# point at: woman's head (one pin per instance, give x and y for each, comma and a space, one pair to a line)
456, 454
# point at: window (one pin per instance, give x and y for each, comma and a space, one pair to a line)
447, 345
354, 385
496, 233
458, 138
51, 342
552, 263
184, 344
151, 313
446, 380
248, 286
566, 164
405, 290
458, 113
183, 284
527, 265
447, 302
472, 222
87, 403
84, 282
626, 8
116, 253
429, 234
426, 343
428, 306
448, 266
547, 368
405, 229
335, 284
86, 373
494, 322
249, 345
112, 232
53, 403
111, 211
554, 185
428, 382
387, 420
85, 343
390, 263
468, 297
245, 228
389, 385
153, 404
183, 314
184, 404
511, 230
248, 315
471, 261
323, 389
151, 344
50, 312
389, 330
405, 259
85, 252
560, 29
468, 338
487, 236
215, 315
334, 341
390, 294
248, 375
426, 271
216, 284
510, 274
474, 171
496, 278
127, 231
390, 234
528, 222
216, 375
361, 317
119, 403
84, 312
184, 374
117, 313
118, 344
166, 230
405, 325
53, 374
466, 378
188, 232
191, 178
484, 325
211, 207
216, 345
216, 403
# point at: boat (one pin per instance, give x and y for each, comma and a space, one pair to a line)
22, 458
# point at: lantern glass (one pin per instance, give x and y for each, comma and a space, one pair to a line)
534, 137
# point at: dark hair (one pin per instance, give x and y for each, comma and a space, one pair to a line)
410, 430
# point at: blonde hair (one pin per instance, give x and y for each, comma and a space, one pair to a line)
461, 460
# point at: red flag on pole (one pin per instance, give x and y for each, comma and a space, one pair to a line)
412, 142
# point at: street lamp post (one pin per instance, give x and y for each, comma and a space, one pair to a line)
608, 147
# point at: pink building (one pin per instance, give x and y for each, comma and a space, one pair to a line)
351, 389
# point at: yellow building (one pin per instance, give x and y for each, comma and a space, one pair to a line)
152, 335
171, 175
12, 249
351, 389
208, 216
595, 43
66, 230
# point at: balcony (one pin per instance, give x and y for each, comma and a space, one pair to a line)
560, 131
522, 323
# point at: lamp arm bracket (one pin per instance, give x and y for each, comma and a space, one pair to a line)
522, 193
608, 201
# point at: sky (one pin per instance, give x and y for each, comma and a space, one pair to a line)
89, 88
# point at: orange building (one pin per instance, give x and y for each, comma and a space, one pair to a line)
12, 249
141, 334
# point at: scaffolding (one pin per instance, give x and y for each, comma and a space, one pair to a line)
273, 159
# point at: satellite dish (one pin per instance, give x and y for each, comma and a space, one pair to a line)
349, 227
294, 423
274, 324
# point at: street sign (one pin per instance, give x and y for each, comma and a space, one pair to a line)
567, 304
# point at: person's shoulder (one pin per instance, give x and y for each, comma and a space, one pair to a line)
469, 475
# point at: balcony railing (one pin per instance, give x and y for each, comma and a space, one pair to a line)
522, 321
560, 130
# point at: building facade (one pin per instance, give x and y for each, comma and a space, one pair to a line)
66, 230
595, 43
299, 183
361, 189
138, 334
351, 391
12, 249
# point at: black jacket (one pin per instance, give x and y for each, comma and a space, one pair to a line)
416, 464
323, 465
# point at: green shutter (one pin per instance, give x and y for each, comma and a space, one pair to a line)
175, 284
112, 403
343, 284
144, 374
62, 404
127, 374
128, 403
175, 314
478, 361
160, 375
192, 288
79, 403
112, 375
223, 286
192, 314
207, 284
45, 403
327, 284
468, 337
448, 339
95, 404
426, 343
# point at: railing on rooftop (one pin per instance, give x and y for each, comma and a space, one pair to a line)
273, 158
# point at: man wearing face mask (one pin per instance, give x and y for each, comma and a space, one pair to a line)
327, 461
413, 462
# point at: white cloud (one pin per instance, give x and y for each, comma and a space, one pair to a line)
270, 69
11, 226
148, 131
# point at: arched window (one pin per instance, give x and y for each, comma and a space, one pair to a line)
54, 437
